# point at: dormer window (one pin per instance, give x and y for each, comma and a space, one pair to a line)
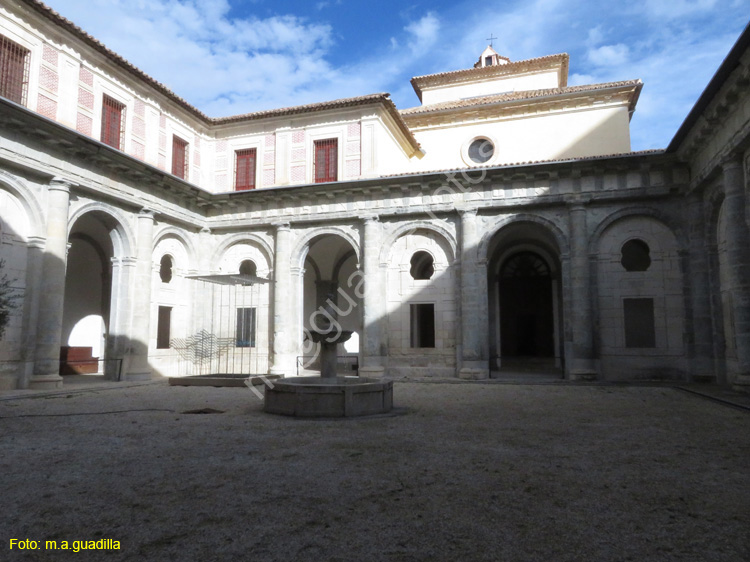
488, 61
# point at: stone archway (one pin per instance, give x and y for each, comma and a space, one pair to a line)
525, 300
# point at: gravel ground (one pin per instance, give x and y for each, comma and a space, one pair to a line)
460, 472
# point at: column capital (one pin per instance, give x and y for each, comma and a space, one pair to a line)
731, 163
205, 230
37, 242
369, 218
281, 226
60, 184
467, 212
146, 213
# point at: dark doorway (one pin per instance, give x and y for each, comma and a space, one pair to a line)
526, 307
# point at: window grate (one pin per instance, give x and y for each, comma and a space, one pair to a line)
244, 171
14, 71
179, 157
113, 122
326, 160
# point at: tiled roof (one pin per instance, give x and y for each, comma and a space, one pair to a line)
520, 96
97, 45
470, 74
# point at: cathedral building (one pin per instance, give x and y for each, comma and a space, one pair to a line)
502, 225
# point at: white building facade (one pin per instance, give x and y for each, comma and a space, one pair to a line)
503, 225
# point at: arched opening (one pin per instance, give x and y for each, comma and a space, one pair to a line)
86, 328
248, 267
165, 268
331, 308
422, 266
525, 313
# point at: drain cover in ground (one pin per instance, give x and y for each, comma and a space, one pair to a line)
204, 411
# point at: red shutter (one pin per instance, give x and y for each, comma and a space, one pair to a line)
112, 122
244, 173
179, 157
14, 71
326, 160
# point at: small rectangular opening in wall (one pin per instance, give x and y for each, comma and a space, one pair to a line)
163, 327
422, 325
639, 322
245, 336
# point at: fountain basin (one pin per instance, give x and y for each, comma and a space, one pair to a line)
330, 397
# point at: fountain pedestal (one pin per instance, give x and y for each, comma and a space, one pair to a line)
329, 395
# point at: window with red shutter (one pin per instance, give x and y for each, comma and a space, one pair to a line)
113, 122
14, 71
326, 160
244, 172
179, 157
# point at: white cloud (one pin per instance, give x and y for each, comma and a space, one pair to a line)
609, 55
424, 32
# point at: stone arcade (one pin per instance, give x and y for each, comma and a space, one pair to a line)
445, 255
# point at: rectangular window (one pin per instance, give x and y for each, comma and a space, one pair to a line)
422, 325
179, 157
244, 171
326, 160
488, 61
163, 327
14, 71
113, 122
639, 322
245, 327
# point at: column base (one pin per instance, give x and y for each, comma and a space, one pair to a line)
583, 375
372, 372
741, 383
473, 374
144, 376
45, 382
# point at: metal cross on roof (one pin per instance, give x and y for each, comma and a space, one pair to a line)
491, 38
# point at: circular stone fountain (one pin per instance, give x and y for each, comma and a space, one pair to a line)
329, 395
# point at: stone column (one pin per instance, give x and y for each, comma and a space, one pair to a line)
140, 333
699, 289
52, 288
282, 363
34, 263
581, 364
738, 258
119, 318
473, 310
373, 347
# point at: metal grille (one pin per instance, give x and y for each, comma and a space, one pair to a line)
244, 172
14, 71
179, 157
113, 122
326, 160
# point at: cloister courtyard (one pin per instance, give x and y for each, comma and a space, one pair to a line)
458, 471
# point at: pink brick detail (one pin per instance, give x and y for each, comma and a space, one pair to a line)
269, 178
48, 79
162, 162
84, 124
46, 107
196, 142
353, 168
137, 150
298, 173
352, 147
221, 163
139, 127
197, 158
298, 137
139, 108
221, 146
221, 182
270, 142
85, 98
162, 140
353, 129
49, 54
86, 76
162, 121
269, 158
298, 154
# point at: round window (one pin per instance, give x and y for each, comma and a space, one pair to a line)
481, 150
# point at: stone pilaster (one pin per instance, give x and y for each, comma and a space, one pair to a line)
581, 364
474, 315
373, 346
34, 264
52, 287
698, 285
140, 333
283, 361
738, 258
121, 311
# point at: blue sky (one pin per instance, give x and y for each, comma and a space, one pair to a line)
228, 57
